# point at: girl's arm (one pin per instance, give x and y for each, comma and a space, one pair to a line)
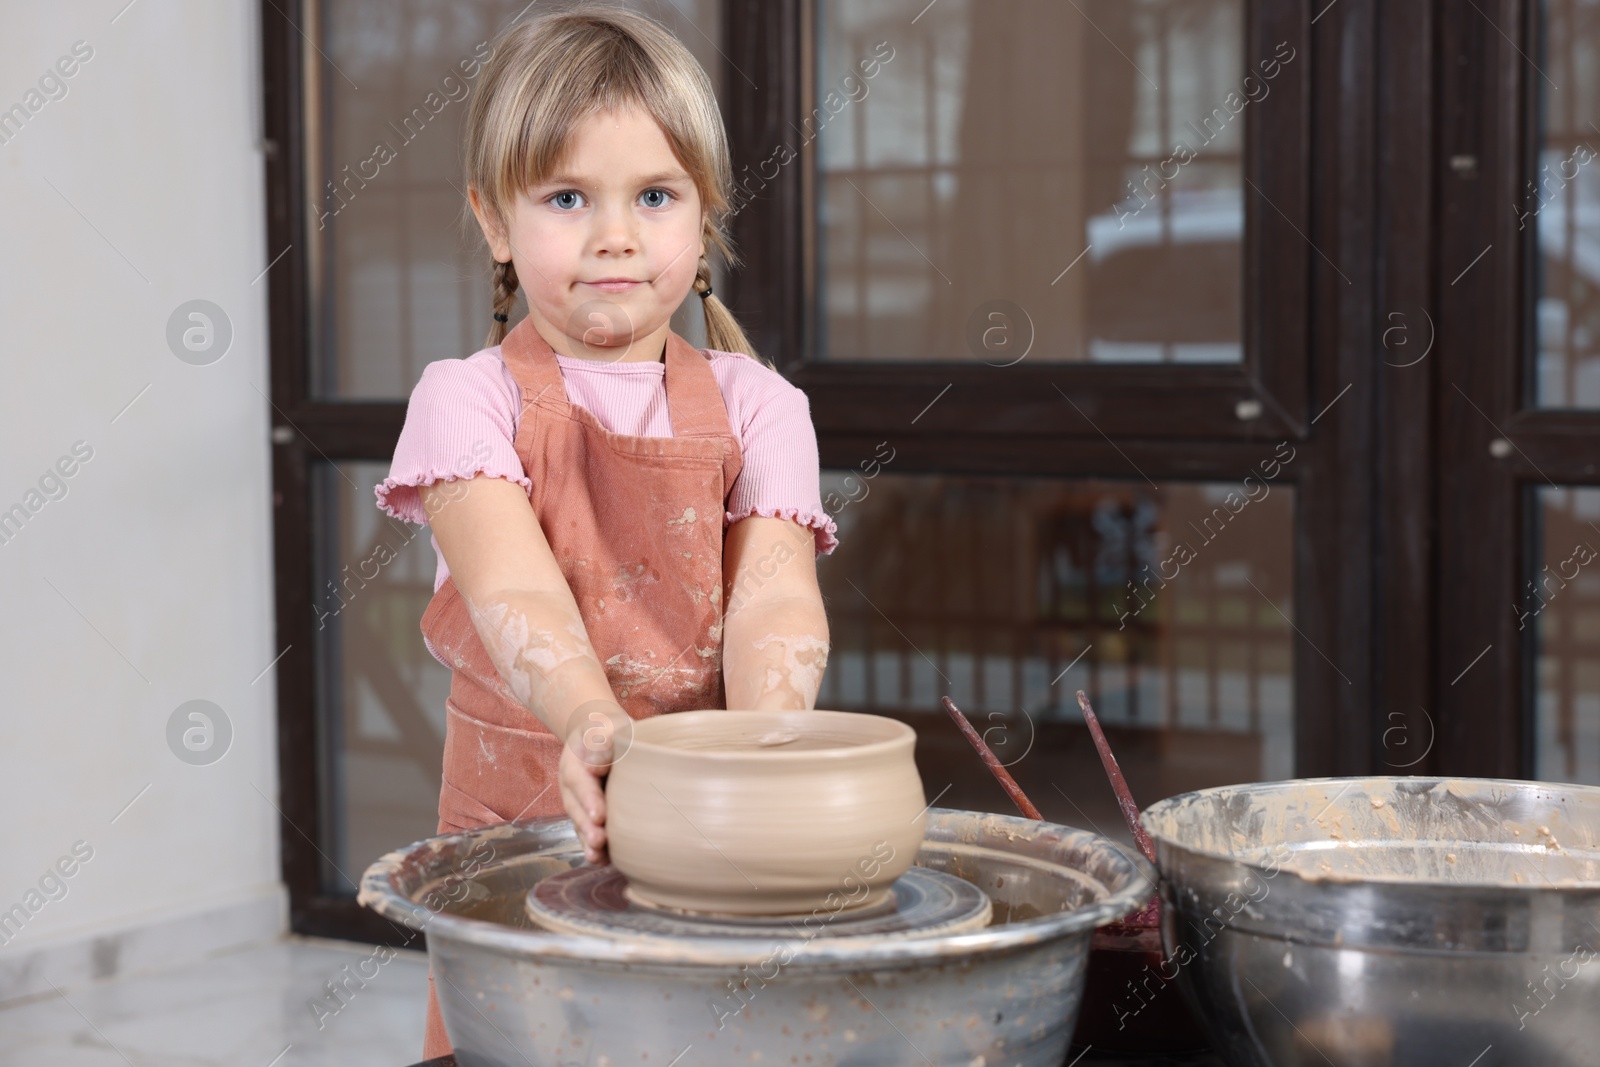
775, 631
529, 622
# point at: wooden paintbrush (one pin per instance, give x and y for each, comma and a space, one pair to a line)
1008, 783
1119, 785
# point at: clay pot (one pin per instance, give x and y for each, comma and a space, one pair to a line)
765, 812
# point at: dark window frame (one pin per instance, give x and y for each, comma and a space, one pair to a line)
305, 432
1490, 113
1309, 359
1168, 422
776, 233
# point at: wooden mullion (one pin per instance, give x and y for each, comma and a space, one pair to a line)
1279, 257
1548, 460
340, 431
298, 786
1094, 457
1560, 426
1334, 588
1480, 86
1406, 575
767, 293
1060, 400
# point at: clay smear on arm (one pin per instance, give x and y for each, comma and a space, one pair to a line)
520, 603
775, 631
538, 643
790, 668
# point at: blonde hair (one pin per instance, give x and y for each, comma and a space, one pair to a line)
550, 72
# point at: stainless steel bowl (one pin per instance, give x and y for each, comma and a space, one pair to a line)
1005, 995
1379, 921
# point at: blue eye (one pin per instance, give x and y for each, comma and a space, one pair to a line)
562, 195
657, 192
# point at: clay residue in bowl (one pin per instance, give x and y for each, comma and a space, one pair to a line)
1448, 831
778, 737
775, 740
736, 732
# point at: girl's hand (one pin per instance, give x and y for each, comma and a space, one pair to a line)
598, 734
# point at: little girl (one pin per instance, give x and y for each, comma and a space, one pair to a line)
636, 530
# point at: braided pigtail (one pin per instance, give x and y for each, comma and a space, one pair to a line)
723, 331
505, 298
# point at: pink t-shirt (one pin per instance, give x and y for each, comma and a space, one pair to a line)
462, 420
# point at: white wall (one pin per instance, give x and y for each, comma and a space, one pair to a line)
149, 583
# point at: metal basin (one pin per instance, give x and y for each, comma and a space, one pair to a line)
1380, 921
515, 996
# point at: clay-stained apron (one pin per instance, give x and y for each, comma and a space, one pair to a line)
636, 524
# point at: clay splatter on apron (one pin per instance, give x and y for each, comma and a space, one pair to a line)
633, 580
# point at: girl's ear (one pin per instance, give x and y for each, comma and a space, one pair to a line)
499, 243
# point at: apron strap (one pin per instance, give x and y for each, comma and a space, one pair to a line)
533, 366
694, 399
696, 406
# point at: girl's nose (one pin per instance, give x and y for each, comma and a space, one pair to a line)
615, 232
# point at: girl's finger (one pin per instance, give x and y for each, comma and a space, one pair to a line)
582, 825
585, 789
581, 796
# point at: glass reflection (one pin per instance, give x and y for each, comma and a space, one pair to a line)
1559, 206
1080, 161
1169, 606
381, 695
1559, 604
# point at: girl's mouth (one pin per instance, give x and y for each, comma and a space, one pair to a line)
614, 285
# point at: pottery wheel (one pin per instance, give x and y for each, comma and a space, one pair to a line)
594, 901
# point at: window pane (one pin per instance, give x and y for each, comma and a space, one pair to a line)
1561, 204
1009, 594
400, 276
380, 707
1560, 604
1079, 161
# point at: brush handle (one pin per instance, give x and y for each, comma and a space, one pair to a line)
1008, 783
1119, 785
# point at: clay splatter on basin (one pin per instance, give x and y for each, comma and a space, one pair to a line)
1006, 993
1450, 830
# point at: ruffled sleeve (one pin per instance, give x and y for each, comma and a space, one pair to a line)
460, 422
781, 476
